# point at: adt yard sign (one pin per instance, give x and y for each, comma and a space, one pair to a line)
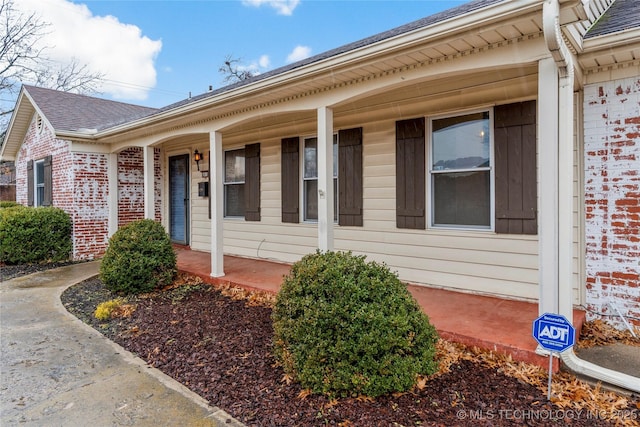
554, 332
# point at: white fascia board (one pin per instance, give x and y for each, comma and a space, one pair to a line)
439, 30
608, 41
10, 153
88, 147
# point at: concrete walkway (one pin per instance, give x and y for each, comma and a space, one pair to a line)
57, 371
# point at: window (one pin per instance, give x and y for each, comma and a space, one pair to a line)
234, 176
460, 171
40, 182
310, 179
481, 171
347, 164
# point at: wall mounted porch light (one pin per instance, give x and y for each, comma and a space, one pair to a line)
197, 157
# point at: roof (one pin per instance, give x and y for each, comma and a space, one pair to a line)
70, 112
622, 15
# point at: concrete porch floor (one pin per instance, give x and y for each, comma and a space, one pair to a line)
500, 325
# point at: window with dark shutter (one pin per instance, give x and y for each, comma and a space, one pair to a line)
30, 183
515, 168
252, 182
48, 182
290, 175
350, 177
410, 173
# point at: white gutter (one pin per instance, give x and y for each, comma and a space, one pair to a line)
564, 61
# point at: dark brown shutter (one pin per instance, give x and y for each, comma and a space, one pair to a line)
30, 182
515, 168
350, 177
290, 177
209, 184
252, 182
410, 174
48, 182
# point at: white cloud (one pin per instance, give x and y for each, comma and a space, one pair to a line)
119, 51
283, 7
264, 61
257, 67
298, 53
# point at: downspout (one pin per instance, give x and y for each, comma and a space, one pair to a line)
564, 61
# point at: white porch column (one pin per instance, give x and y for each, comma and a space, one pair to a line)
325, 179
548, 186
112, 200
565, 194
149, 184
216, 174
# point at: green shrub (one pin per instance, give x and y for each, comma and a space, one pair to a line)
30, 235
344, 327
8, 204
139, 258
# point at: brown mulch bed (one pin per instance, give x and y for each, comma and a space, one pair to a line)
218, 343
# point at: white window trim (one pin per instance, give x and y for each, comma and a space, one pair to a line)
430, 171
225, 183
303, 194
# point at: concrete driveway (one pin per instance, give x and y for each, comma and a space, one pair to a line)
57, 371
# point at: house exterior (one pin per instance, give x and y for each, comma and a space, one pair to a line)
492, 148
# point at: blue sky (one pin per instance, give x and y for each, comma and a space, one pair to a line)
156, 52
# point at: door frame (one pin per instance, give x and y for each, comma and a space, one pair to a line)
187, 198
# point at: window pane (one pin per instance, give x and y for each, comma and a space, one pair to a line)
40, 173
462, 198
234, 166
311, 158
461, 142
234, 200
40, 196
311, 199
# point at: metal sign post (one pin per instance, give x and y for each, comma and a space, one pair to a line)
554, 333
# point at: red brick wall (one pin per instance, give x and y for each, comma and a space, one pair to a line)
79, 188
131, 185
612, 198
90, 206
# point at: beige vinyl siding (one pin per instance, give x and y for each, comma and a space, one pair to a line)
474, 261
466, 260
267, 238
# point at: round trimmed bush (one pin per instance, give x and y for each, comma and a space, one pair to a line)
345, 327
31, 235
139, 258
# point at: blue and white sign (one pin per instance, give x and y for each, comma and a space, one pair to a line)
554, 332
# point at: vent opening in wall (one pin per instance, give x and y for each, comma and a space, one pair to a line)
39, 124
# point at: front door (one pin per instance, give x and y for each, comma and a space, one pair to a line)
179, 199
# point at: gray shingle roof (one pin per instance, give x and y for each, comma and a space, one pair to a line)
70, 112
406, 28
621, 15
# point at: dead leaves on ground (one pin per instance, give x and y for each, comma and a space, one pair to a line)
567, 391
598, 332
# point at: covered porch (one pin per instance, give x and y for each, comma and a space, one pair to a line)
496, 324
